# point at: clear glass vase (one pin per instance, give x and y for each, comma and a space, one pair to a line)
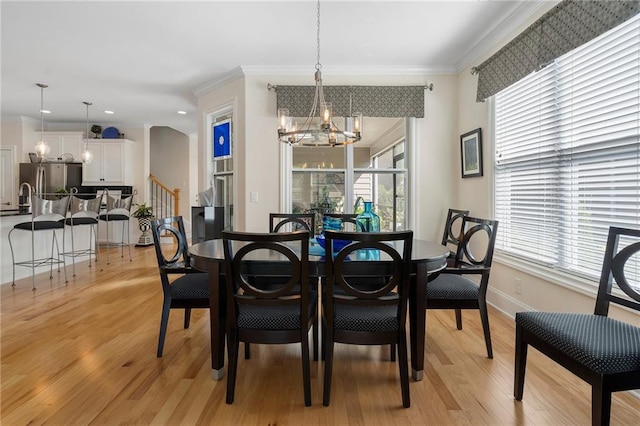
369, 220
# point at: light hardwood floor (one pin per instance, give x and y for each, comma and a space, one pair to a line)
84, 353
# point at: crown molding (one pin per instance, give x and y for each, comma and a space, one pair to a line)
219, 81
501, 30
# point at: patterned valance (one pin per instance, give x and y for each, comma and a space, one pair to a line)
371, 101
568, 25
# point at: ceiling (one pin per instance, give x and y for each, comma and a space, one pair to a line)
144, 59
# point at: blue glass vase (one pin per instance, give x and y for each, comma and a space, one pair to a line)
369, 220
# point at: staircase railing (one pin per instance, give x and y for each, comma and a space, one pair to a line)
165, 201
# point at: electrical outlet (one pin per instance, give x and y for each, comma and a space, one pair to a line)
518, 285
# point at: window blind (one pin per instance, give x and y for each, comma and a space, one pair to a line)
567, 162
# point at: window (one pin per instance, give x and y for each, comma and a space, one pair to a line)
222, 177
322, 177
567, 162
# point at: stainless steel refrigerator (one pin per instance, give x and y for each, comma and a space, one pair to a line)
47, 178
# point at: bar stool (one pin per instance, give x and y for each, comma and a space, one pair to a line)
117, 210
82, 212
47, 215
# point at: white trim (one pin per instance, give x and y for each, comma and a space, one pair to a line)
411, 161
505, 303
500, 31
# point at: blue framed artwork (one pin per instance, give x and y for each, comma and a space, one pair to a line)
221, 140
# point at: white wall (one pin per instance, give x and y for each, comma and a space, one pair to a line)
169, 163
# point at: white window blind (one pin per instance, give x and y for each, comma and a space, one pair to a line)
567, 162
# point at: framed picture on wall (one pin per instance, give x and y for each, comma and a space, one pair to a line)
221, 140
471, 153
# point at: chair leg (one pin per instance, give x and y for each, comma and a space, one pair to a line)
392, 352
459, 319
187, 317
404, 370
328, 367
306, 366
600, 404
520, 365
13, 260
108, 242
484, 316
232, 354
247, 350
164, 320
64, 262
315, 339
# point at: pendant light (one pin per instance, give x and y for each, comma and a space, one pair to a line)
318, 129
87, 155
42, 148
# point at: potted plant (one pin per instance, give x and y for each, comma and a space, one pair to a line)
144, 214
96, 130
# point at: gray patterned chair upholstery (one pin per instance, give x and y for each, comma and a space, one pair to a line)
282, 312
374, 314
602, 351
453, 289
188, 291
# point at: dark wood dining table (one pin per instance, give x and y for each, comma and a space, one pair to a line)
427, 259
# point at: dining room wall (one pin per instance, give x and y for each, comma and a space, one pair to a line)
258, 159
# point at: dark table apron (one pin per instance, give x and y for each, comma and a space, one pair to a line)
427, 258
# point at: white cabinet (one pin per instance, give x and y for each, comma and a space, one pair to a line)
63, 144
111, 164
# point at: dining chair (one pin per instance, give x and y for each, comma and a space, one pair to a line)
117, 210
276, 315
83, 211
348, 218
287, 222
452, 227
279, 222
453, 288
48, 212
190, 290
600, 350
375, 315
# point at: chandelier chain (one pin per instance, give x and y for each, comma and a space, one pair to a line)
318, 66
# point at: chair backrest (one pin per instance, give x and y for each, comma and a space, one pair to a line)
51, 209
176, 259
84, 207
346, 268
623, 246
346, 218
118, 206
477, 241
279, 222
452, 227
242, 249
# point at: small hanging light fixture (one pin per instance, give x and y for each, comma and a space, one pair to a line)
87, 155
42, 148
321, 131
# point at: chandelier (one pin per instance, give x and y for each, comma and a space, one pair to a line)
42, 148
87, 155
318, 129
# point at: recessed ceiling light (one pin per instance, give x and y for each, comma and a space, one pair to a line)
45, 111
106, 111
182, 112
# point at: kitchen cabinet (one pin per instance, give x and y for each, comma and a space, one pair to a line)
65, 146
111, 164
